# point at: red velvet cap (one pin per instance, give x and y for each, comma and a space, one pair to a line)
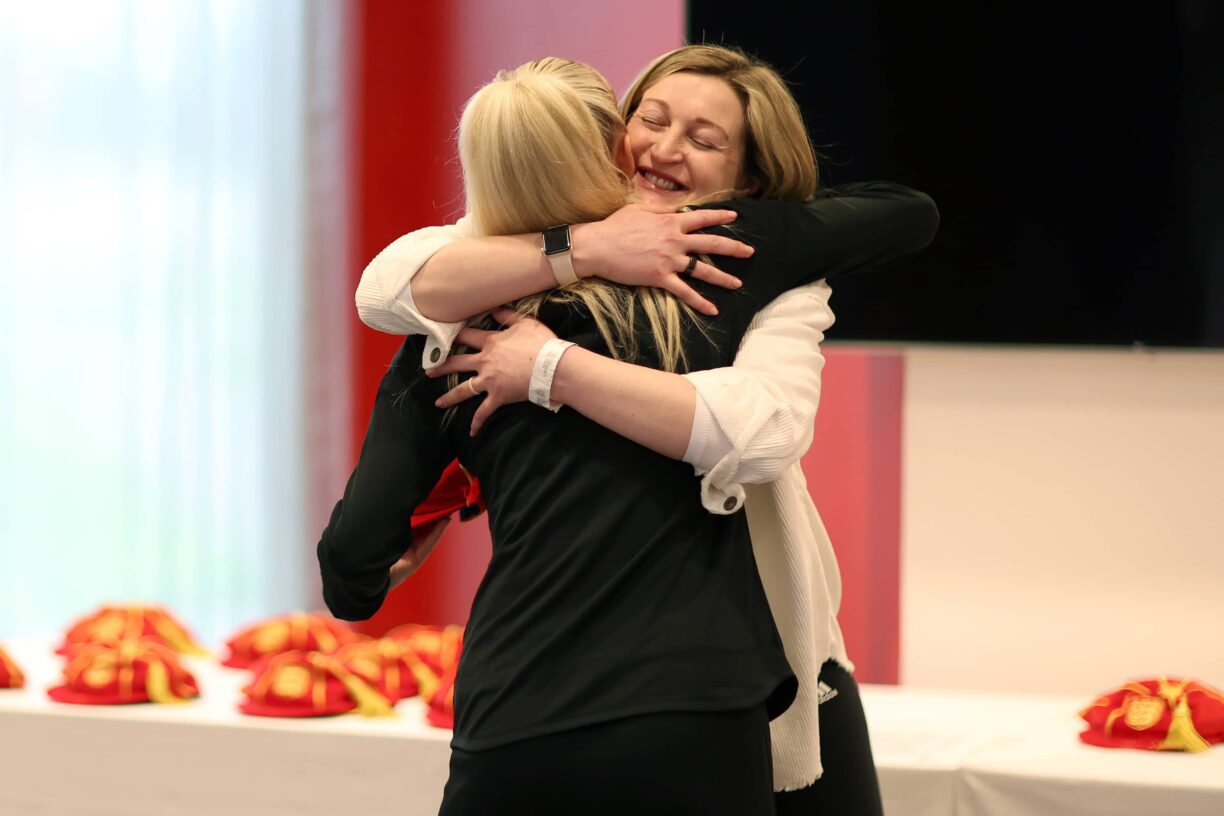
1165, 714
386, 664
131, 622
297, 631
10, 673
127, 671
435, 649
456, 491
310, 684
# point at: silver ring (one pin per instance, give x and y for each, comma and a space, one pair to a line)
471, 384
692, 264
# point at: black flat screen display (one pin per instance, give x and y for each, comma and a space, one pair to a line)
1076, 152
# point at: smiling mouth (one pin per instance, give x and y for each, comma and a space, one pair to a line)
665, 184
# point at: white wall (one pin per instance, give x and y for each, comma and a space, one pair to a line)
1063, 517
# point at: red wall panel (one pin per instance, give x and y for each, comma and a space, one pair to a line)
404, 177
853, 471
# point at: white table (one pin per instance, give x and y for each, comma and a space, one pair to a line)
206, 757
938, 753
963, 753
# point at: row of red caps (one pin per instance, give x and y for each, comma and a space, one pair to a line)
303, 664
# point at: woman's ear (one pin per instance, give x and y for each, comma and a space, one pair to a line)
624, 156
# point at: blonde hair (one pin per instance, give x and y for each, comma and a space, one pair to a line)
536, 146
778, 155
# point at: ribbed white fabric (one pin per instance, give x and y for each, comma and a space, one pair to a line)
384, 295
707, 443
766, 405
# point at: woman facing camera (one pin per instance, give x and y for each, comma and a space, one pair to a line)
620, 655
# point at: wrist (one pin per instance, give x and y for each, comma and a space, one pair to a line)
540, 389
583, 238
557, 245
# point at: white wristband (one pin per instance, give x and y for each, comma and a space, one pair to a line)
540, 389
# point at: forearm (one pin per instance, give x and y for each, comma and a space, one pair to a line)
650, 407
476, 275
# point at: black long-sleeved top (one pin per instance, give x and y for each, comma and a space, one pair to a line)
611, 591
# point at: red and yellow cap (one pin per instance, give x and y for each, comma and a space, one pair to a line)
441, 711
435, 649
456, 491
297, 631
10, 673
310, 684
111, 624
388, 665
126, 671
1157, 715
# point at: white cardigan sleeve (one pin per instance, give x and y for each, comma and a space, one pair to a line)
765, 404
384, 296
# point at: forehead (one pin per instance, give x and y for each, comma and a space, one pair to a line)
698, 96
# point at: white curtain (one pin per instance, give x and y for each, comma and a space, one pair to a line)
151, 212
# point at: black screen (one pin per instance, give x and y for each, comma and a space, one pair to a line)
1074, 150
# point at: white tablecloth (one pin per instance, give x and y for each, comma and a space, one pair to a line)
938, 754
206, 758
943, 753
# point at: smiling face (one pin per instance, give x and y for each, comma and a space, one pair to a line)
687, 141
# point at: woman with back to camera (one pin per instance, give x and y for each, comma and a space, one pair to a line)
524, 512
744, 425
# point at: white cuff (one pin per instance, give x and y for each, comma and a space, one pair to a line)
708, 444
540, 389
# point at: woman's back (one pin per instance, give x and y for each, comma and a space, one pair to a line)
611, 590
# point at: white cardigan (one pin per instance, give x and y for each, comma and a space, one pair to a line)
765, 404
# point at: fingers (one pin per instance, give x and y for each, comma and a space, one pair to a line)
689, 295
474, 337
712, 274
700, 219
507, 317
456, 362
702, 244
483, 412
460, 393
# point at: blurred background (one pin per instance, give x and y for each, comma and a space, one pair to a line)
1019, 441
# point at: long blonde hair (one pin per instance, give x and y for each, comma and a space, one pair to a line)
778, 154
536, 146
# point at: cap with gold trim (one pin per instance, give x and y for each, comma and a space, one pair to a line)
1164, 714
391, 666
310, 684
435, 650
296, 631
123, 672
10, 672
113, 623
441, 711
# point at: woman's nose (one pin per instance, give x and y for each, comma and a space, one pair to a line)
668, 147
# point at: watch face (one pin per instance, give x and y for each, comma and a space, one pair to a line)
556, 240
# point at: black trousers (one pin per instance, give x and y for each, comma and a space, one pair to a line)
672, 764
849, 784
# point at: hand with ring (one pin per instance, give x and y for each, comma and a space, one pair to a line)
503, 361
641, 246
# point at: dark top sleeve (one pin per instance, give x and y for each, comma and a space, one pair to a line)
841, 229
402, 457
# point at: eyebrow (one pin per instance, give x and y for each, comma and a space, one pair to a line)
699, 120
